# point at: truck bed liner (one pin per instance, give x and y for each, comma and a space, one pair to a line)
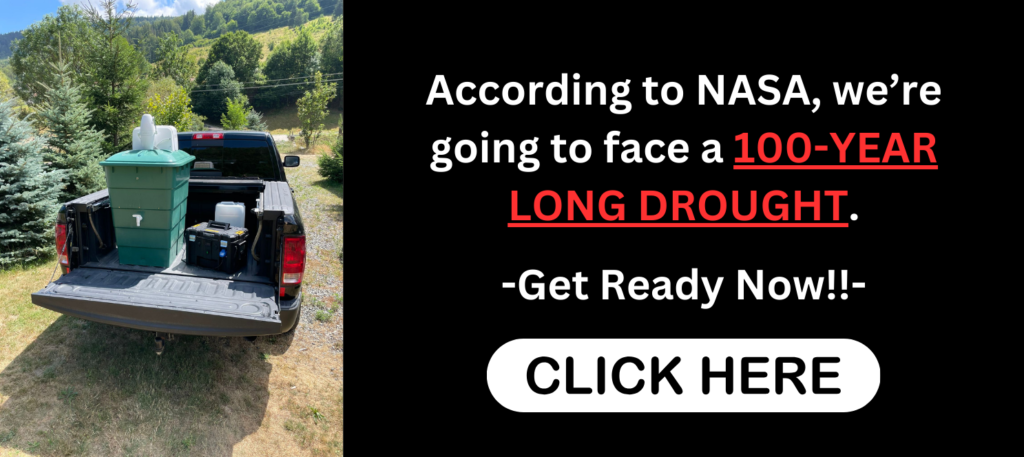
179, 267
164, 303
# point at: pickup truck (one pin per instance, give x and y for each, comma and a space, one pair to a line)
263, 298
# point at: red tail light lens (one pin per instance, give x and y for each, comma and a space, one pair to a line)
207, 136
294, 259
62, 240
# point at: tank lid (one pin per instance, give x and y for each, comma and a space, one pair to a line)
149, 158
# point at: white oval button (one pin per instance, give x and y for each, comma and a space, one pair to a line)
683, 375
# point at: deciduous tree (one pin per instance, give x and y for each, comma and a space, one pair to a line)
313, 109
175, 62
237, 49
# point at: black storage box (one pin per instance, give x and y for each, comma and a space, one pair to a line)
216, 245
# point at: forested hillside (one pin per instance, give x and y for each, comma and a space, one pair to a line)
252, 16
273, 49
5, 43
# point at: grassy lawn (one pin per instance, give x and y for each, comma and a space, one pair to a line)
281, 121
73, 387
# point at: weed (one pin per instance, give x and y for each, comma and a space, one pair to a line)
49, 373
265, 356
7, 436
67, 394
323, 316
315, 412
294, 426
187, 443
315, 302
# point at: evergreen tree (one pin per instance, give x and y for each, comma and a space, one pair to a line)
28, 191
254, 121
117, 75
74, 145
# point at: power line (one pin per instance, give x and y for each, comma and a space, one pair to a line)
272, 80
267, 87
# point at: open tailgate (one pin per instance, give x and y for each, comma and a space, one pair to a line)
165, 302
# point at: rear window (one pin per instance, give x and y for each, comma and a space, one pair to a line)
233, 158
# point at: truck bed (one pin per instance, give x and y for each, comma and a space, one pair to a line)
178, 267
164, 302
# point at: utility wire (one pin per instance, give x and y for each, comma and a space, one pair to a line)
268, 87
272, 80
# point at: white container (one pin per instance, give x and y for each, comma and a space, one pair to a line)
164, 136
230, 212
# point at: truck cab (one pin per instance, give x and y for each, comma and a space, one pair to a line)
262, 298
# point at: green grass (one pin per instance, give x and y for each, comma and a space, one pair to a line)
67, 394
284, 120
323, 316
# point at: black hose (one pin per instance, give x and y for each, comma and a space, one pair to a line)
259, 230
98, 237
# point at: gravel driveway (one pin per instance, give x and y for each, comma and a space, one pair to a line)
322, 210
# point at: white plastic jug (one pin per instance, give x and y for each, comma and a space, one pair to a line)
149, 136
230, 212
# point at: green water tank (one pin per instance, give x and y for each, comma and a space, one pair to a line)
148, 193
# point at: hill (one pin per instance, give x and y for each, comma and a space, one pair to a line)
5, 43
270, 38
253, 16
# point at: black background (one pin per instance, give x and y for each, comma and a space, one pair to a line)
428, 251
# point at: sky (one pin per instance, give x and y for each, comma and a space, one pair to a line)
19, 14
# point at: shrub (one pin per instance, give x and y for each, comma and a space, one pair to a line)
332, 164
235, 116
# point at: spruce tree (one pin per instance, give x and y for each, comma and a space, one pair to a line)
117, 74
28, 191
74, 145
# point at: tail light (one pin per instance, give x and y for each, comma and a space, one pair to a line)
207, 136
62, 243
294, 260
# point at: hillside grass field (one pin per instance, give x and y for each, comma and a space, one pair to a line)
270, 38
284, 120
